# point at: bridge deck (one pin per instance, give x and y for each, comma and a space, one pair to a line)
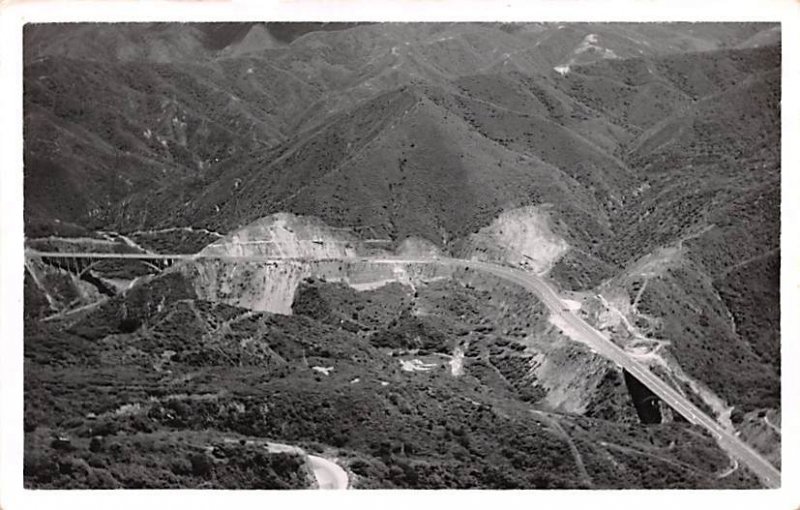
235, 258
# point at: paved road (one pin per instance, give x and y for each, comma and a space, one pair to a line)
766, 472
329, 474
603, 345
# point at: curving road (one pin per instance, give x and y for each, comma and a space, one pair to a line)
765, 471
329, 474
602, 344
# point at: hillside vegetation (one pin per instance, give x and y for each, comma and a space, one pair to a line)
635, 166
184, 387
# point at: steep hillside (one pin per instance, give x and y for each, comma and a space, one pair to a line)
196, 369
394, 168
161, 42
506, 118
697, 164
104, 132
711, 191
155, 42
635, 167
224, 90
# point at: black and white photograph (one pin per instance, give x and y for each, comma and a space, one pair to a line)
401, 255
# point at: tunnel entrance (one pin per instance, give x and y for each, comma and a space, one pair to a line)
645, 401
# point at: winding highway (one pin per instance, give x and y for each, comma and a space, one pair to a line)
735, 447
770, 477
329, 475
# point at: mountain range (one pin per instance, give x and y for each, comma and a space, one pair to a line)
635, 161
